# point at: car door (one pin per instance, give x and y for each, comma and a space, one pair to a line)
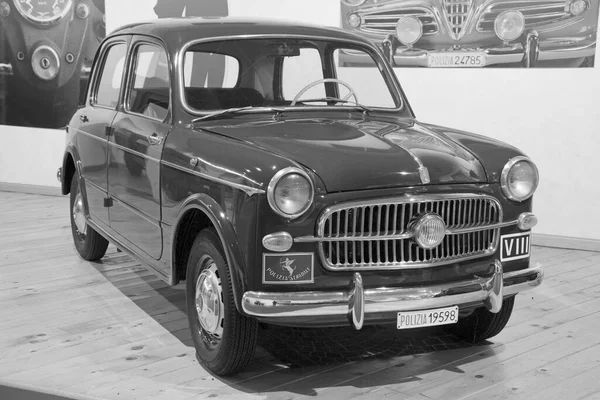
135, 147
91, 125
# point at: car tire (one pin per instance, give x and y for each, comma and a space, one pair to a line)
224, 339
482, 324
90, 245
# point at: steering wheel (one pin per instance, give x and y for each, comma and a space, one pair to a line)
315, 83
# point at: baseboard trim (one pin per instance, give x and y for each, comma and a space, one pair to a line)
565, 242
30, 189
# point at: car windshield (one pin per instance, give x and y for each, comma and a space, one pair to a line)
283, 73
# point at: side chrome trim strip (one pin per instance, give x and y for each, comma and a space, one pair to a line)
136, 153
249, 190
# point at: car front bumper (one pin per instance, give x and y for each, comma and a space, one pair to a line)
356, 303
530, 52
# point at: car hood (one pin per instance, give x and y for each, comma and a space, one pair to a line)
356, 154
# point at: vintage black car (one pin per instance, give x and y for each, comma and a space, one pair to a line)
476, 33
236, 155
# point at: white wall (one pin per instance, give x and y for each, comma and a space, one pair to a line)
30, 156
551, 114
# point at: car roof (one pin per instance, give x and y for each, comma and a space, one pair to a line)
181, 30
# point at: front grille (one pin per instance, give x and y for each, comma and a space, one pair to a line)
384, 22
536, 13
374, 235
457, 13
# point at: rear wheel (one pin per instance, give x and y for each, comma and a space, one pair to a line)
482, 324
224, 339
90, 245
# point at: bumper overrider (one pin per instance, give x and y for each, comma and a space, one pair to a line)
529, 52
356, 302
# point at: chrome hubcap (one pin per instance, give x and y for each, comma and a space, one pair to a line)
209, 301
79, 215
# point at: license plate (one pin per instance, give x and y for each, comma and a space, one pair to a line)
514, 246
457, 59
420, 319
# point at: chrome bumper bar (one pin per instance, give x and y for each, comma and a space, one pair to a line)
357, 301
529, 52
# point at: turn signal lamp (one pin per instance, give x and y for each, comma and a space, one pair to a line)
527, 221
279, 241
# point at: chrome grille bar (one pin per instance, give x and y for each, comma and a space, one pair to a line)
361, 235
457, 13
535, 13
384, 22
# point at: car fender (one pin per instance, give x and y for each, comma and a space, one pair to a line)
227, 235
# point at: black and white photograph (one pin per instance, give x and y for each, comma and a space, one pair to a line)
476, 33
269, 199
46, 53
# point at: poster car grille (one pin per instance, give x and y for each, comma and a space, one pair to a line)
384, 22
457, 13
390, 219
535, 13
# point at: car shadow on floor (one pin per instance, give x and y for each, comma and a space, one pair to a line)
294, 352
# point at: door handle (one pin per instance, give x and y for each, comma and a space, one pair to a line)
154, 139
83, 118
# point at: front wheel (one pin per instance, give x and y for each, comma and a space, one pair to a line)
90, 245
482, 324
224, 339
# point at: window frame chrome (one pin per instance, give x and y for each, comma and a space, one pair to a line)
389, 75
98, 69
130, 75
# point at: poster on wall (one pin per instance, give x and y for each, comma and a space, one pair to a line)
46, 52
47, 49
476, 33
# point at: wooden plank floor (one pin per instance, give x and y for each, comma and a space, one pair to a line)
112, 330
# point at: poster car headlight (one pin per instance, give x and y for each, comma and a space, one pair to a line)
409, 30
43, 12
354, 3
578, 7
290, 192
354, 20
509, 25
519, 179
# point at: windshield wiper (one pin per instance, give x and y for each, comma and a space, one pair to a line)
221, 112
337, 100
233, 111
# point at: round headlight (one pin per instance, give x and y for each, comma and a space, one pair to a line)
509, 25
409, 30
578, 7
290, 192
353, 3
429, 231
519, 179
354, 20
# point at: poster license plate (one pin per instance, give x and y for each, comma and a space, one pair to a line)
424, 318
464, 60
